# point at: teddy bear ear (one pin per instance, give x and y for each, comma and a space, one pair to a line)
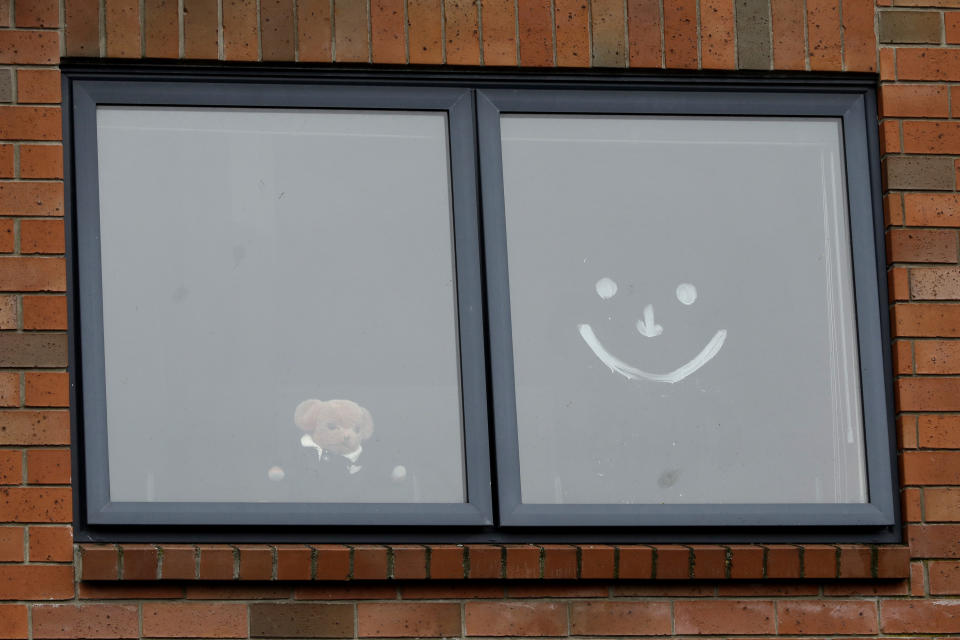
305, 414
366, 424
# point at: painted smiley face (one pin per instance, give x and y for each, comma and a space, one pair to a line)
647, 326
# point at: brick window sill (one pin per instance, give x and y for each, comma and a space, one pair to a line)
244, 562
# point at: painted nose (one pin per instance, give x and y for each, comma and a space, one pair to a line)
646, 325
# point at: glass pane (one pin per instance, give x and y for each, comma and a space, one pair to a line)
683, 315
279, 306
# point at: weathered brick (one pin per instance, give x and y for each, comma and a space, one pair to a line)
194, 620
910, 27
618, 618
643, 34
352, 41
34, 427
33, 349
609, 44
277, 30
85, 621
515, 619
920, 616
301, 620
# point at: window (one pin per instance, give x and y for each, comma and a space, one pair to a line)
479, 307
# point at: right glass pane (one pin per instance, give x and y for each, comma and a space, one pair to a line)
682, 306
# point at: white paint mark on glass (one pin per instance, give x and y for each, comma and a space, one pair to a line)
647, 326
606, 288
632, 373
686, 293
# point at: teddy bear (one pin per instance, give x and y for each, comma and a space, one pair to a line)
330, 462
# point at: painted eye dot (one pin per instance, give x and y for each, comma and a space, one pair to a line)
606, 288
687, 293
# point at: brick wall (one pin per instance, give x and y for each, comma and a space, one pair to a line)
267, 591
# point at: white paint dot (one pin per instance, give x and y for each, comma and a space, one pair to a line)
606, 288
687, 293
399, 473
276, 474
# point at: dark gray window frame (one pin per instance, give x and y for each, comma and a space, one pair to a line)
486, 361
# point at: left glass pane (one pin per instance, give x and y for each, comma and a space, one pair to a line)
279, 306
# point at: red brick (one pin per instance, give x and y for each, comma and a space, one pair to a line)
256, 562
44, 312
783, 561
931, 137
890, 137
608, 32
922, 245
914, 101
934, 540
825, 617
559, 562
40, 14
596, 561
939, 432
36, 582
406, 620
942, 504
139, 561
767, 589
865, 588
486, 562
636, 562
7, 169
82, 28
8, 320
11, 543
217, 562
333, 561
194, 620
32, 274
920, 616
935, 283
643, 33
46, 389
200, 30
723, 617
352, 43
178, 562
620, 618
32, 47
11, 467
162, 28
41, 161
13, 621
515, 619
709, 562
824, 34
928, 64
932, 209
717, 44
907, 432
462, 32
369, 562
31, 198
927, 320
123, 28
944, 577
240, 30
903, 357
951, 26
572, 18
48, 466
917, 580
931, 467
355, 591
680, 34
446, 562
8, 242
928, 394
673, 561
294, 562
9, 392
859, 38
911, 500
128, 591
498, 18
746, 561
855, 561
314, 35
819, 561
787, 22
51, 544
35, 504
556, 589
535, 24
41, 236
38, 86
386, 27
85, 621
99, 562
277, 30
523, 561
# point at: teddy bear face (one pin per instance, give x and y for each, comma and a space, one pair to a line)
338, 426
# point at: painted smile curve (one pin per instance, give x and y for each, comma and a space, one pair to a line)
632, 373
